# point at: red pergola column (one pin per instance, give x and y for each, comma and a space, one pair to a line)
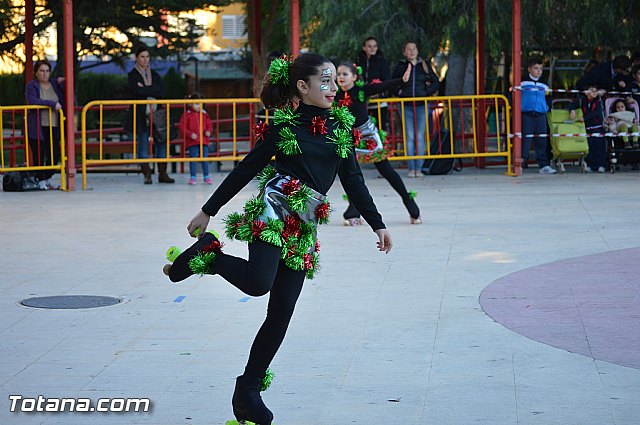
295, 27
70, 126
516, 68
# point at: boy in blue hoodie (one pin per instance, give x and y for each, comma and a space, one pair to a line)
534, 116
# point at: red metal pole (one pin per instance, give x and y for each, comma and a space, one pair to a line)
69, 54
295, 27
516, 69
481, 110
29, 14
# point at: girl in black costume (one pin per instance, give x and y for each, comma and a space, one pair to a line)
312, 145
354, 94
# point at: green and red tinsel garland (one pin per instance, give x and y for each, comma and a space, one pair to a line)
380, 154
203, 262
295, 237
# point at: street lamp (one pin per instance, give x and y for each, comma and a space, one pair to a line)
195, 60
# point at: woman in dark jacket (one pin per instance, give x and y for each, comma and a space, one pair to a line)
44, 126
422, 83
375, 69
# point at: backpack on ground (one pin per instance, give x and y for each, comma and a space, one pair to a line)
441, 145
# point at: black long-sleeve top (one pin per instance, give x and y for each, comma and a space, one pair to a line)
358, 107
317, 166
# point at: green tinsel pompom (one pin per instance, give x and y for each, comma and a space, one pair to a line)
266, 381
361, 96
273, 232
360, 83
288, 144
345, 197
232, 221
345, 117
374, 120
359, 70
245, 232
202, 263
413, 194
298, 199
294, 262
286, 115
343, 141
383, 135
254, 207
264, 176
279, 71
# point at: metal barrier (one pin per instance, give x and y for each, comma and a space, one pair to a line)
16, 154
233, 120
465, 118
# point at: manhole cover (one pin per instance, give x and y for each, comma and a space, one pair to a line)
70, 301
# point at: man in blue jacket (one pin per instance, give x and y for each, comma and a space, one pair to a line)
534, 120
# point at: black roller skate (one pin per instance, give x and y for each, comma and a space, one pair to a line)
187, 263
248, 407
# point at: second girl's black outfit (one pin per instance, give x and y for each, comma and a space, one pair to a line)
311, 146
356, 100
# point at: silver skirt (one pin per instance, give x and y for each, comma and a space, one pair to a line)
368, 130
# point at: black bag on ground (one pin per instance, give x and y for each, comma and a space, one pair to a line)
19, 181
440, 145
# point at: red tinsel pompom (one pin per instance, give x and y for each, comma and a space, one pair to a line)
357, 135
215, 246
318, 126
371, 144
291, 227
257, 227
307, 261
317, 248
346, 101
322, 211
376, 81
288, 188
259, 130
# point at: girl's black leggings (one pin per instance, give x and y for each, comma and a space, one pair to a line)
386, 170
263, 272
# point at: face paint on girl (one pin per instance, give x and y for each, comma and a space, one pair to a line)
321, 88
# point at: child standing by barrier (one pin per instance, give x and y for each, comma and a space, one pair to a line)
592, 115
196, 128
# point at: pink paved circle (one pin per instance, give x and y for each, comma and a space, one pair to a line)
587, 305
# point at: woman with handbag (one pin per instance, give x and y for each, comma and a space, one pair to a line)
370, 142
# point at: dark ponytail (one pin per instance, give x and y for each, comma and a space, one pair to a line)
277, 95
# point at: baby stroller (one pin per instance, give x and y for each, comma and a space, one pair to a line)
617, 152
567, 148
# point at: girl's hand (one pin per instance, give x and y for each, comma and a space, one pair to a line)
572, 115
58, 106
384, 240
207, 133
60, 80
407, 73
194, 136
200, 221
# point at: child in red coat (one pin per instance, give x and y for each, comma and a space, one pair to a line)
196, 128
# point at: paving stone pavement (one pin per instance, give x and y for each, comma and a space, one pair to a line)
375, 339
